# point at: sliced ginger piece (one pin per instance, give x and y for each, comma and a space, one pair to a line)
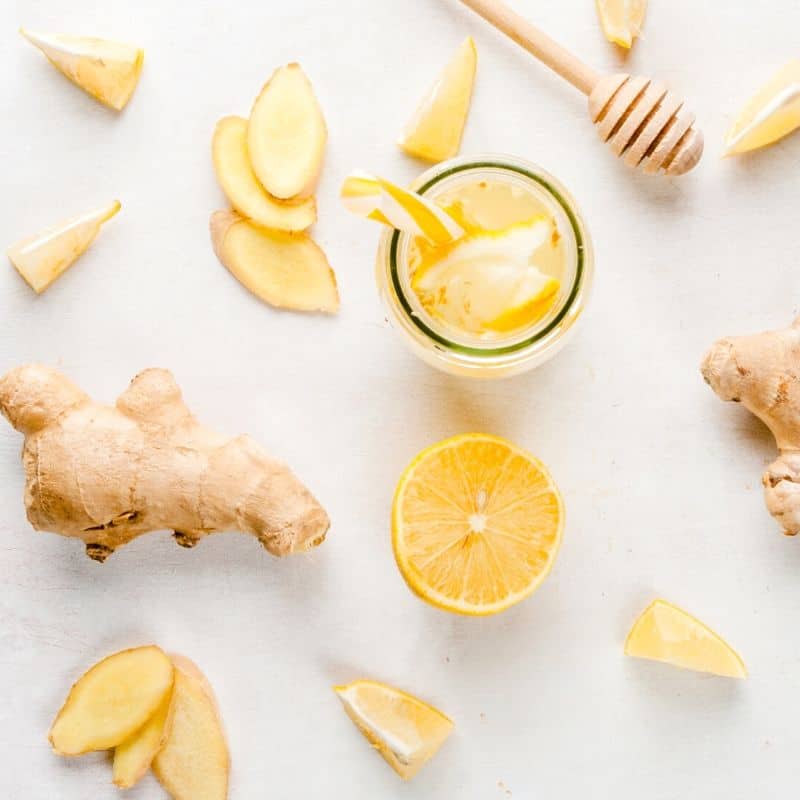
134, 756
43, 257
405, 731
667, 633
284, 270
772, 113
286, 135
108, 71
242, 188
112, 701
435, 131
622, 20
194, 763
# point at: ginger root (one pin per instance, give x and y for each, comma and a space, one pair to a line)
762, 372
107, 475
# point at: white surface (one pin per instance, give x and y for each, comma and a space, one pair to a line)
661, 479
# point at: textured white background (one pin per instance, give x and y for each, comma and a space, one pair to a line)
661, 480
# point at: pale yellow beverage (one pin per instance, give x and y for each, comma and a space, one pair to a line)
504, 275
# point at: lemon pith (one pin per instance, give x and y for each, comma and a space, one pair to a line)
476, 524
666, 633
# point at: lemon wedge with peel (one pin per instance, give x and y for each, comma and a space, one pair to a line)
666, 633
621, 20
774, 112
108, 71
476, 524
403, 729
380, 200
437, 126
488, 281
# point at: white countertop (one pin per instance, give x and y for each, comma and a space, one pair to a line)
661, 479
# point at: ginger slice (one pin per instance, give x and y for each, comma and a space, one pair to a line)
246, 194
436, 129
112, 701
194, 763
43, 257
108, 71
286, 135
286, 271
134, 756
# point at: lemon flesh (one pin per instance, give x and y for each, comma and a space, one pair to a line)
437, 126
666, 633
488, 281
621, 20
774, 112
476, 524
403, 729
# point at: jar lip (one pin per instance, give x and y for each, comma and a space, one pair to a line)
560, 195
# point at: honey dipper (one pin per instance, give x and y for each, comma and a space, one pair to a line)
644, 123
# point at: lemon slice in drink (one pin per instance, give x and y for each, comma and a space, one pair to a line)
489, 281
476, 524
380, 200
403, 729
667, 633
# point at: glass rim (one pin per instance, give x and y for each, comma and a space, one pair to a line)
553, 188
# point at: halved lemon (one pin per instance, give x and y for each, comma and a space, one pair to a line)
403, 729
669, 634
476, 524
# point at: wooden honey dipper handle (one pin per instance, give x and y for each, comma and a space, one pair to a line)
536, 42
643, 122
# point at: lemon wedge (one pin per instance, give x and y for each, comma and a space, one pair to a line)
622, 20
487, 281
437, 126
382, 201
42, 258
476, 524
108, 71
666, 633
403, 729
774, 112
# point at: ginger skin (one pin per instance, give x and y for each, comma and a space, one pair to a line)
762, 372
107, 475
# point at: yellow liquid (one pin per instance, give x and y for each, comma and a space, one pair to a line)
470, 303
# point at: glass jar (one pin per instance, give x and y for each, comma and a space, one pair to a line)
438, 345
